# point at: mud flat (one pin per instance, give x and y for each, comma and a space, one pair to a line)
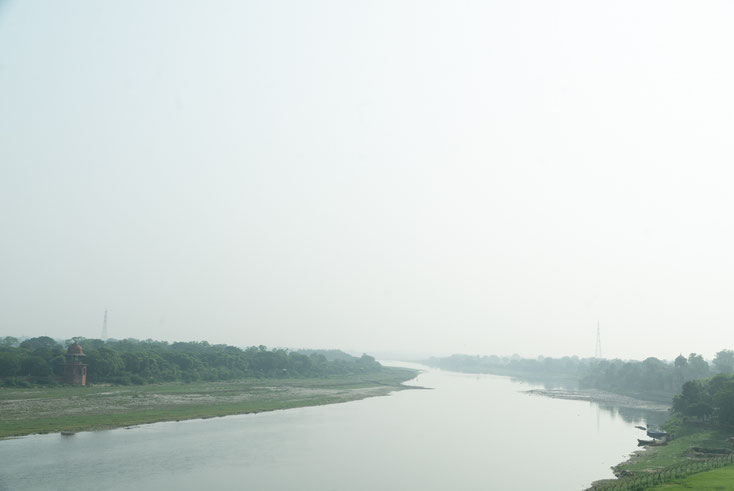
601, 397
72, 409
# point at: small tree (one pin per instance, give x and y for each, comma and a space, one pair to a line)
691, 394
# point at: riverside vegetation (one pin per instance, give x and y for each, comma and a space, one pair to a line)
651, 379
133, 382
39, 361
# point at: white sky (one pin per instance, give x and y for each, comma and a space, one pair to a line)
428, 177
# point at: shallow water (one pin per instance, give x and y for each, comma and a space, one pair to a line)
469, 432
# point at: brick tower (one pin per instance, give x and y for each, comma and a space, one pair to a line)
75, 372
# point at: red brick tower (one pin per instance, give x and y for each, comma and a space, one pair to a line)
75, 372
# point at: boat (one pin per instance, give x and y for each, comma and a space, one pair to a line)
641, 428
657, 434
650, 443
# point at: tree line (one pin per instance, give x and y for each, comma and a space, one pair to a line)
652, 377
40, 361
512, 365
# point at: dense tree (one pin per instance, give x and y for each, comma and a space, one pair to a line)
724, 361
9, 364
35, 366
88, 344
692, 393
9, 341
42, 342
697, 367
511, 365
651, 378
703, 399
104, 364
133, 361
723, 400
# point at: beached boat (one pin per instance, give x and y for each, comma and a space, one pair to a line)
650, 443
657, 434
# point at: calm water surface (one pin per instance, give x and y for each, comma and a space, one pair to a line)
469, 432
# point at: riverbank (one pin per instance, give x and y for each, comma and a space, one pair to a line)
695, 448
691, 442
73, 409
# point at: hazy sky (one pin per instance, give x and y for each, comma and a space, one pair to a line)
428, 177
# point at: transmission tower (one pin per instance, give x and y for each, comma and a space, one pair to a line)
104, 326
597, 351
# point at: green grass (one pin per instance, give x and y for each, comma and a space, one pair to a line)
45, 410
715, 480
678, 457
678, 451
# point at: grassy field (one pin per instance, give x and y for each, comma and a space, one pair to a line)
46, 410
715, 480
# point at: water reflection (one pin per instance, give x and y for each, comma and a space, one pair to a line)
634, 415
548, 383
630, 410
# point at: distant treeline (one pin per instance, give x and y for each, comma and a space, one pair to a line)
514, 365
130, 361
651, 377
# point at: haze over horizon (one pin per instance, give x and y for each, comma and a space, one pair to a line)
411, 177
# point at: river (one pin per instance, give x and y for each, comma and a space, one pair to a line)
468, 432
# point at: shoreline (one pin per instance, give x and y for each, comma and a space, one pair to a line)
100, 407
604, 398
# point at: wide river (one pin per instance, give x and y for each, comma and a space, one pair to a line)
468, 432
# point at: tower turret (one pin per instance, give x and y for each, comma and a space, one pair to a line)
75, 370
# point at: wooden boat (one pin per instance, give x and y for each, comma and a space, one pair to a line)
657, 434
650, 443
